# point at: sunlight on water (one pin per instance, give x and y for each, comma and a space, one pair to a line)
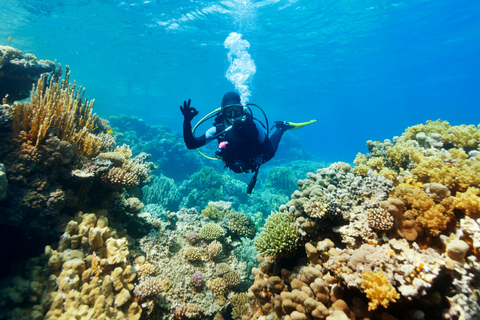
242, 67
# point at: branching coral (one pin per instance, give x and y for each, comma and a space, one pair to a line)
58, 106
468, 201
378, 289
280, 235
316, 207
430, 215
240, 225
211, 231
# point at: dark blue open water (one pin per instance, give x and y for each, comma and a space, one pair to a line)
364, 69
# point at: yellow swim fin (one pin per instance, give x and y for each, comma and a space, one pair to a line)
293, 125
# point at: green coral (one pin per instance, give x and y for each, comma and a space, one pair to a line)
211, 231
280, 235
239, 224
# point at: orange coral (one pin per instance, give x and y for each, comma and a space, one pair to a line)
378, 289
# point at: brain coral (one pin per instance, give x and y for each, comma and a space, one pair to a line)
240, 224
211, 231
280, 235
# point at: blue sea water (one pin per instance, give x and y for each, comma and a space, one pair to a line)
364, 69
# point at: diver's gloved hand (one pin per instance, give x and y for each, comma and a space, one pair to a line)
188, 112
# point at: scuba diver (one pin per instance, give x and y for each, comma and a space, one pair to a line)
244, 143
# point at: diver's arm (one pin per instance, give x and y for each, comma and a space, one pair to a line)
188, 114
190, 141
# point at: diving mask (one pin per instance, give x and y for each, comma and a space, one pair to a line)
232, 111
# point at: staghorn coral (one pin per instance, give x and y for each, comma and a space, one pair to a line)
378, 289
192, 254
149, 286
217, 286
221, 269
280, 235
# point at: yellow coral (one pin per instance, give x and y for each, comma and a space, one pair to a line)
463, 136
388, 173
124, 150
58, 105
433, 217
360, 159
403, 152
438, 126
378, 289
468, 201
376, 163
361, 170
454, 170
460, 136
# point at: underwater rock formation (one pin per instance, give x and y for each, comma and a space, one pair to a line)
18, 72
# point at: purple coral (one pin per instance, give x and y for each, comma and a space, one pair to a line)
197, 279
193, 237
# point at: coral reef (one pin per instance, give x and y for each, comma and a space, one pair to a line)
395, 236
88, 275
19, 71
191, 280
385, 239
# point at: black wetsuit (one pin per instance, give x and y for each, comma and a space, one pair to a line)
244, 150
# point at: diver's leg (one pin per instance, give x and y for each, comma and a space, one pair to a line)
276, 137
271, 143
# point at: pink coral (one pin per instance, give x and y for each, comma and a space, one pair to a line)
193, 237
197, 279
